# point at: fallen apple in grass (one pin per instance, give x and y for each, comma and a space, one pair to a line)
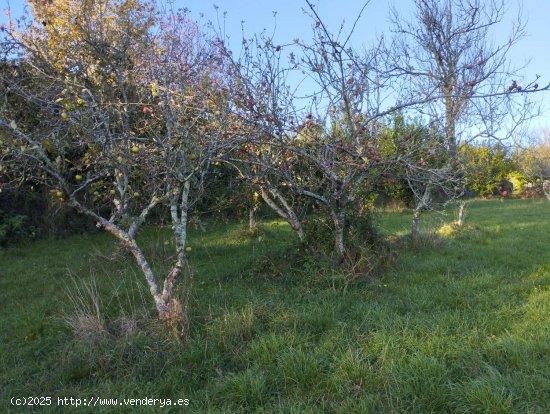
78, 177
135, 149
188, 249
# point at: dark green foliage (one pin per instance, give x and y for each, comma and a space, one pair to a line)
13, 229
44, 215
366, 250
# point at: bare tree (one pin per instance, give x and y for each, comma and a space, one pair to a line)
472, 90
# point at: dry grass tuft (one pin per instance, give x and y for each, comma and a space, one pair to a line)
84, 318
86, 326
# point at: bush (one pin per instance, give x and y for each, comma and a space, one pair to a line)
517, 180
366, 250
487, 169
14, 228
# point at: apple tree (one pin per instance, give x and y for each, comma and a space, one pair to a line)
122, 124
321, 143
446, 55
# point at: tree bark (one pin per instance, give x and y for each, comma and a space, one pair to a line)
546, 188
285, 212
251, 219
179, 212
130, 243
338, 218
461, 213
422, 204
415, 228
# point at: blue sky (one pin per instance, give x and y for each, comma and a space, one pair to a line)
291, 23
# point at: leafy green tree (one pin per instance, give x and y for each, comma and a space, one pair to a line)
487, 168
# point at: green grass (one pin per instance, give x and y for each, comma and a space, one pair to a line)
459, 325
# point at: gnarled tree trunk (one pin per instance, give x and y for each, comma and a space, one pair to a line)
338, 218
422, 204
284, 211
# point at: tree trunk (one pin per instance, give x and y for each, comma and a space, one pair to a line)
179, 212
130, 243
251, 219
141, 260
285, 212
461, 213
339, 226
546, 188
422, 204
415, 228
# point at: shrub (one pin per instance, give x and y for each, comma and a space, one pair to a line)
518, 180
366, 251
14, 228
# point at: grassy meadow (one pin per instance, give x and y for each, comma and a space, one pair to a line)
458, 324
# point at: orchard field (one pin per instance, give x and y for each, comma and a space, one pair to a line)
457, 323
312, 219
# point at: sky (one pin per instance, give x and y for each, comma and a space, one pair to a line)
291, 22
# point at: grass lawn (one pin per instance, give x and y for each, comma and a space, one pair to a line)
458, 325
